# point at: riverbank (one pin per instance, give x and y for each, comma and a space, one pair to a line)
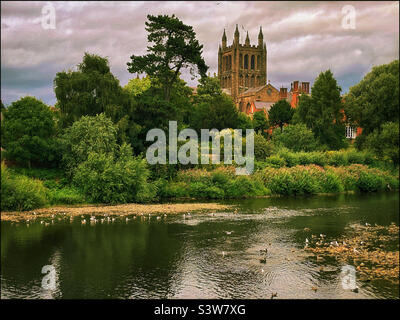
116, 210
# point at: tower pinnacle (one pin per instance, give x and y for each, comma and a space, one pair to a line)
247, 42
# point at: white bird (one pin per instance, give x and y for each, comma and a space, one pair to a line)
158, 217
127, 219
306, 240
367, 224
92, 218
188, 213
228, 232
322, 235
223, 253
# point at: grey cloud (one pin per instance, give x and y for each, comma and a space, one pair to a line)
303, 38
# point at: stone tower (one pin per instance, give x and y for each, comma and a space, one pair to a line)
242, 66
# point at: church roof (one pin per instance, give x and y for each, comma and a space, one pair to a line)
253, 90
263, 105
226, 90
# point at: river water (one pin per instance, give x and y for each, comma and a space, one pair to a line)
198, 256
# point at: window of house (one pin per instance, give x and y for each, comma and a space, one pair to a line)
246, 61
350, 132
252, 62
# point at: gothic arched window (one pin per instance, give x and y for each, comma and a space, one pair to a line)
252, 62
258, 63
246, 61
240, 61
248, 107
230, 62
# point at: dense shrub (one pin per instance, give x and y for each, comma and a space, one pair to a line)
314, 179
296, 137
385, 143
20, 192
262, 147
96, 135
334, 158
67, 195
120, 179
172, 189
369, 182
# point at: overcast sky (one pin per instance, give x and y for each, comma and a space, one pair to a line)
303, 38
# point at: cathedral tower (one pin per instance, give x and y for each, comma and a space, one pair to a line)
242, 66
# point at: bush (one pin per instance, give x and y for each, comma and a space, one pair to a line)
262, 147
20, 192
275, 161
96, 135
385, 143
332, 183
369, 182
296, 137
108, 179
67, 195
173, 190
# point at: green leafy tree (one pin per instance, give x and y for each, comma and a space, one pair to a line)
260, 122
28, 132
322, 112
90, 134
296, 137
385, 144
374, 100
280, 113
137, 86
244, 121
212, 108
153, 111
174, 47
90, 90
208, 88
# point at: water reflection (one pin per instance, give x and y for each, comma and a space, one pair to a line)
202, 256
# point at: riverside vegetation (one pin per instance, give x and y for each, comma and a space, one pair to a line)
89, 148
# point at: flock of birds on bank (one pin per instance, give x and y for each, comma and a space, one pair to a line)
102, 219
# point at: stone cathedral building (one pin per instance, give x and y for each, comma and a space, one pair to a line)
242, 72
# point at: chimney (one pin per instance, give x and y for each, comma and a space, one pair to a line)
283, 93
295, 85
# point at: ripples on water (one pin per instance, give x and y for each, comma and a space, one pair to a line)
201, 256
